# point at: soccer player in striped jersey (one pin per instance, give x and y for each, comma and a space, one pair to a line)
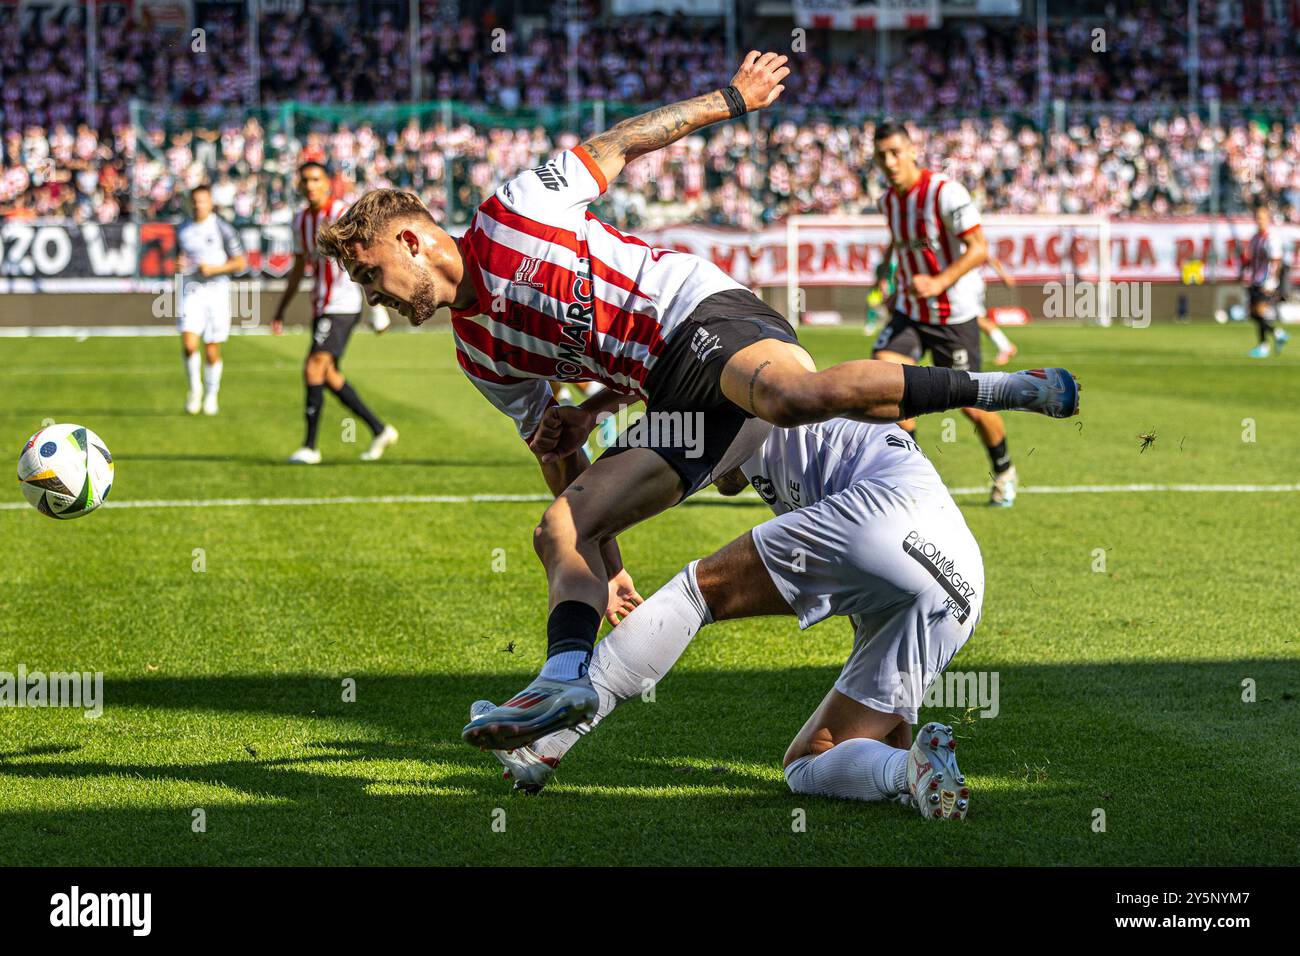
336, 304
939, 244
540, 290
1261, 269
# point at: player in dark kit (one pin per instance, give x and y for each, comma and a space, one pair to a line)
540, 289
336, 305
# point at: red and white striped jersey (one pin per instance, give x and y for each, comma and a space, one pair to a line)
334, 292
927, 225
564, 296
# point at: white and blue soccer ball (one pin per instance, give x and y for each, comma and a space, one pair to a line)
65, 471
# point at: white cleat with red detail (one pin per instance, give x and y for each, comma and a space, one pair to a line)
528, 769
937, 787
543, 707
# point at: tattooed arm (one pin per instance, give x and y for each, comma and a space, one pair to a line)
758, 80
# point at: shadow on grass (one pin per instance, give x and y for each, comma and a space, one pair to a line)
692, 778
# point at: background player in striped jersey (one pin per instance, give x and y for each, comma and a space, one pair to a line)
939, 244
210, 251
336, 305
540, 289
1261, 269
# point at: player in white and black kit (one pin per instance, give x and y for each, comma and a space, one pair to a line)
336, 306
1261, 269
939, 244
865, 529
210, 251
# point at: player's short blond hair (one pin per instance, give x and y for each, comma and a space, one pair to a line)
366, 218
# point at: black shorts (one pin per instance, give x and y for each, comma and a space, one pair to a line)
330, 333
1258, 296
689, 423
952, 346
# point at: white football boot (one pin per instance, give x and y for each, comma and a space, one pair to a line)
543, 707
193, 403
937, 787
305, 456
380, 444
1003, 492
210, 404
529, 770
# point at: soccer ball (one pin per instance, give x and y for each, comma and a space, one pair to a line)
66, 471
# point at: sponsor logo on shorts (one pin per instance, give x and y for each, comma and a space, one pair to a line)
704, 343
766, 490
944, 570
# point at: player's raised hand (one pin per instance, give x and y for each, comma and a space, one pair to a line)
562, 431
759, 78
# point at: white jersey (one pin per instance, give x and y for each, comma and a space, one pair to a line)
798, 467
927, 227
564, 296
211, 242
334, 292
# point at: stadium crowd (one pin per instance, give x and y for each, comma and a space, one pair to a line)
976, 85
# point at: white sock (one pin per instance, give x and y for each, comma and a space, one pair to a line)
1000, 339
638, 652
566, 665
192, 371
854, 769
212, 378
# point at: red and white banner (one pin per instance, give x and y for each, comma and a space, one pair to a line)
855, 15
1140, 250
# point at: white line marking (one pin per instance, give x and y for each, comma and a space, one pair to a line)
706, 496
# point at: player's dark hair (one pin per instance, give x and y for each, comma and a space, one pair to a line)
313, 164
891, 128
200, 188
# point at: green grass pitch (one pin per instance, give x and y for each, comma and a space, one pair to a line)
1121, 690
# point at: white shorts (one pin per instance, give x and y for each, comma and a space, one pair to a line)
205, 310
900, 562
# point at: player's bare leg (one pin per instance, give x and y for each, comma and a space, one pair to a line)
777, 381
193, 371
851, 751
211, 377
993, 433
572, 540
1006, 348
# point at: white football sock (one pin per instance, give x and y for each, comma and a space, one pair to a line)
1000, 339
192, 371
212, 378
854, 769
638, 652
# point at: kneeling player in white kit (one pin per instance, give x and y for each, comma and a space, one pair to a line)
210, 251
866, 529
